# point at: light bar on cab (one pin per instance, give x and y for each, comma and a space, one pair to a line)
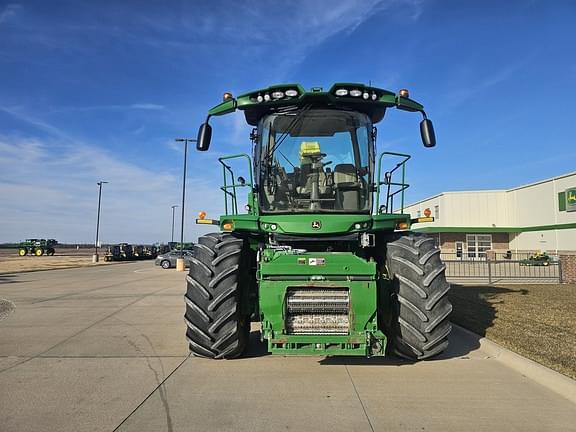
274, 94
355, 92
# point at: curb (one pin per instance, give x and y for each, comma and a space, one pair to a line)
554, 381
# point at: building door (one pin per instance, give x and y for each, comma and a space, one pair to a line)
459, 249
477, 245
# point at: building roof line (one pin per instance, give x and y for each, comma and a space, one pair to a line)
491, 229
573, 173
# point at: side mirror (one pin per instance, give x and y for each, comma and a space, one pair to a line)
427, 133
204, 137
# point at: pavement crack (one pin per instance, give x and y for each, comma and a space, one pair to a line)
159, 387
359, 399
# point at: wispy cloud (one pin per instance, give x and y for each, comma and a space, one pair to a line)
460, 95
49, 187
9, 12
112, 107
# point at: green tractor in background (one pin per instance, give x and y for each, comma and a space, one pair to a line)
320, 257
37, 247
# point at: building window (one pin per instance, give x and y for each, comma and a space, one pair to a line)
437, 212
477, 245
418, 214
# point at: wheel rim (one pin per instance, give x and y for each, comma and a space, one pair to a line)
165, 264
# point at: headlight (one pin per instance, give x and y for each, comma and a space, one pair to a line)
357, 226
291, 93
341, 92
355, 93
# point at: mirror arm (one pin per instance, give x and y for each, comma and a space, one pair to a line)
424, 115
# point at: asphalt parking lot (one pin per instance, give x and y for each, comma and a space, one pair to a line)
103, 349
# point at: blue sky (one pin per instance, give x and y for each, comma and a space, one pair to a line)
99, 90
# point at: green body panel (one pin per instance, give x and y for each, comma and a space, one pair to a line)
281, 270
301, 224
388, 222
225, 107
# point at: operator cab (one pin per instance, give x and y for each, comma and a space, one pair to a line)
315, 161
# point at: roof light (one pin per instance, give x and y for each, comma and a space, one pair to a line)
365, 95
278, 95
374, 96
266, 97
342, 92
427, 212
227, 96
355, 93
291, 93
202, 215
404, 93
259, 98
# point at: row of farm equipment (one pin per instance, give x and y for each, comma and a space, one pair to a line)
128, 252
118, 252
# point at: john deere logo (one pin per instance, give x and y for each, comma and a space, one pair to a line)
316, 224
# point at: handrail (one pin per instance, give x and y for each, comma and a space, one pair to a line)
227, 169
402, 185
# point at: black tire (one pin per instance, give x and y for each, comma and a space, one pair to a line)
215, 325
165, 264
420, 306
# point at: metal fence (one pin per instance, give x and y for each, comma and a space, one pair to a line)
512, 270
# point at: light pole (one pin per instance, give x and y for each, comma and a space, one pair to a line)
173, 207
180, 266
95, 256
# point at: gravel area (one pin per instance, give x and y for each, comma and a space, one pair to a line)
536, 321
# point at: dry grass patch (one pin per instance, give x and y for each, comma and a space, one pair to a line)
536, 321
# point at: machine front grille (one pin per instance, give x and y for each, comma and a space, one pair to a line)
317, 311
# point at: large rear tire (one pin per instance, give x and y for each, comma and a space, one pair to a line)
216, 327
420, 306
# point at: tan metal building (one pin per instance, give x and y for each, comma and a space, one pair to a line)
539, 216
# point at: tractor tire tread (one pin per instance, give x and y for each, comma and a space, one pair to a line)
420, 306
215, 327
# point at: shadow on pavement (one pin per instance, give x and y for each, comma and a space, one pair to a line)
256, 348
474, 305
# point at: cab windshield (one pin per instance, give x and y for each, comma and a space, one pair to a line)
316, 161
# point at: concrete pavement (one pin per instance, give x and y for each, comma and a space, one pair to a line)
102, 348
